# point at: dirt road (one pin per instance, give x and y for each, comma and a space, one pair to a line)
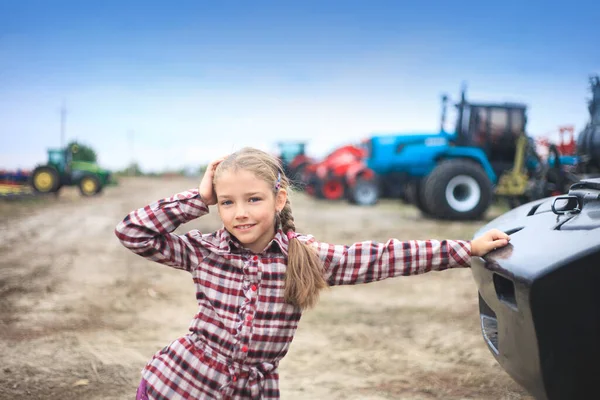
80, 315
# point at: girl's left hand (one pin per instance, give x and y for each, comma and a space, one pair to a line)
491, 240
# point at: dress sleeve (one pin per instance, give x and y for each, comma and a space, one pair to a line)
369, 261
147, 231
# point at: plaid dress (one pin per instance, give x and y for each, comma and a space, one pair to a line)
243, 327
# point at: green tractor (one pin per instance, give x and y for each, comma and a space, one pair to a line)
62, 170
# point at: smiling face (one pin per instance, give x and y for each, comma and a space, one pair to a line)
247, 206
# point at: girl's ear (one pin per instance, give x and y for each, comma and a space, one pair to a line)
280, 199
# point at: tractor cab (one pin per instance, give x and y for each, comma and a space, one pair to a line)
59, 158
494, 128
288, 151
293, 159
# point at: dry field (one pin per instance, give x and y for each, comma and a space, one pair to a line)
80, 315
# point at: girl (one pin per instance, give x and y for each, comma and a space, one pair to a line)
256, 275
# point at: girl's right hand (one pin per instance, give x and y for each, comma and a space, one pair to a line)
206, 189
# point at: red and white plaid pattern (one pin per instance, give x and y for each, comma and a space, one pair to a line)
243, 327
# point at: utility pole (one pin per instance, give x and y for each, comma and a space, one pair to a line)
132, 165
63, 121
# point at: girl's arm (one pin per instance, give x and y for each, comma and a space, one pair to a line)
370, 261
147, 231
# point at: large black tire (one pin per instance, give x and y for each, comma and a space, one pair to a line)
418, 197
45, 179
457, 189
364, 192
312, 183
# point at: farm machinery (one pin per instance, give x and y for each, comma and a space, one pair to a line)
14, 183
538, 296
342, 174
447, 175
62, 170
455, 175
294, 160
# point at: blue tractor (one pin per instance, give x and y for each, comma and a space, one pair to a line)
455, 175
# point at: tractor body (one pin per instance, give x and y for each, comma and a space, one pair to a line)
61, 170
539, 302
455, 175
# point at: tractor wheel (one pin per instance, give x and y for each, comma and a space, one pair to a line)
317, 184
89, 185
45, 180
311, 183
333, 189
457, 190
418, 196
364, 192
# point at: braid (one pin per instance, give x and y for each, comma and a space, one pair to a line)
304, 275
286, 217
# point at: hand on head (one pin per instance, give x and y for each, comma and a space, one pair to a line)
207, 191
489, 241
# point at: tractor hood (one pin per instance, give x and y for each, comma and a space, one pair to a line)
539, 297
89, 167
433, 138
411, 152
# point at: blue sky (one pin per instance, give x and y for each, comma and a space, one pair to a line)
196, 79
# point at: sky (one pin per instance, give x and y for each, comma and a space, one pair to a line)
176, 84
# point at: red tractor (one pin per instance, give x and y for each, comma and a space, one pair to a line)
343, 174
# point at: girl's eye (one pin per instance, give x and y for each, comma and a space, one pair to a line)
255, 199
226, 202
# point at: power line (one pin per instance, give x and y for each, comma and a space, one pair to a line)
63, 122
132, 165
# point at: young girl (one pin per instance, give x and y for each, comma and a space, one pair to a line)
256, 275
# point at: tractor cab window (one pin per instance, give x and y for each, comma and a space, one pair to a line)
480, 123
288, 151
517, 122
501, 145
56, 157
498, 125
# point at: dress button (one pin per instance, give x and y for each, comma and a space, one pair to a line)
255, 258
253, 287
234, 378
248, 317
244, 348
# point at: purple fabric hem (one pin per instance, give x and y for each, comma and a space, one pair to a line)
142, 391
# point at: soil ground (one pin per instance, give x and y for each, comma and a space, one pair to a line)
80, 315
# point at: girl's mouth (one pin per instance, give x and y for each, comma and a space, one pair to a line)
244, 227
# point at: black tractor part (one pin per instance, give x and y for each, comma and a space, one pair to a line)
457, 189
588, 142
539, 297
415, 195
588, 148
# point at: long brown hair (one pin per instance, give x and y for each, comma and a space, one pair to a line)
304, 274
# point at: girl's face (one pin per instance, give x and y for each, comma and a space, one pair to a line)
247, 206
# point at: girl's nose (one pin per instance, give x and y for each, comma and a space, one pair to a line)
240, 212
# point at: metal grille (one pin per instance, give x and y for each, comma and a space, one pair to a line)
489, 328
